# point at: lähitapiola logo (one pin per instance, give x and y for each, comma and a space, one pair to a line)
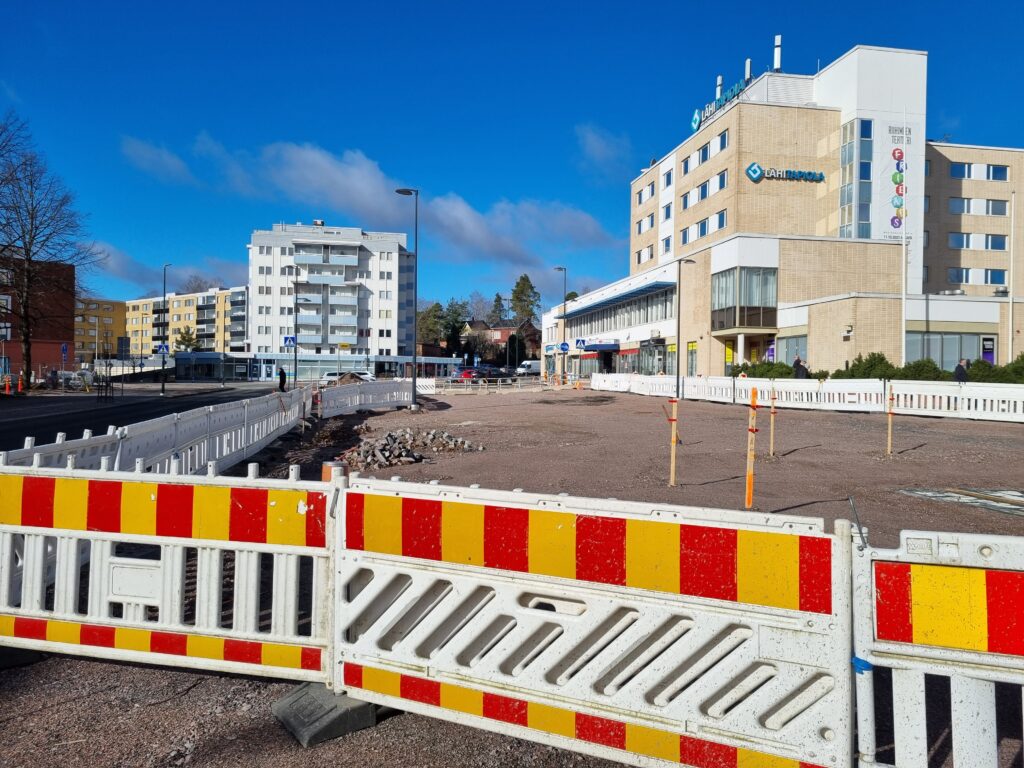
695, 122
755, 172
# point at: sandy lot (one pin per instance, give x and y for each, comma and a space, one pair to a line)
70, 712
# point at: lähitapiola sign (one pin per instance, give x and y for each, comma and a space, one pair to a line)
756, 174
701, 115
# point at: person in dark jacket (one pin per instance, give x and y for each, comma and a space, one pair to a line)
960, 372
282, 379
799, 369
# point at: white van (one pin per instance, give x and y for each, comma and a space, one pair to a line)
330, 378
528, 368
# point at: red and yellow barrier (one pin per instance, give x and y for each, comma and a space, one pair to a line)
170, 643
970, 609
220, 513
637, 739
778, 570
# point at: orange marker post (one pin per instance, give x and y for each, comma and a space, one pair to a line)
674, 439
751, 433
771, 431
888, 443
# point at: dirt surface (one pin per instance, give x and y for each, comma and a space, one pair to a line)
82, 713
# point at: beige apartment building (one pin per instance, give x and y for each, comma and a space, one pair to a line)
99, 323
782, 225
217, 317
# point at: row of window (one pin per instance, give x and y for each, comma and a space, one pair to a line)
982, 171
705, 190
81, 304
628, 314
962, 276
701, 155
976, 206
976, 241
703, 228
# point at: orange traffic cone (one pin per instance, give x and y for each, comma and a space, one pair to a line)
19, 384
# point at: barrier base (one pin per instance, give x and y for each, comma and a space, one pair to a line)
313, 714
18, 657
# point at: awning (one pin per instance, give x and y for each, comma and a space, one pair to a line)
602, 346
636, 293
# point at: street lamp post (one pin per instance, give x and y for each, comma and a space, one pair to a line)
414, 406
565, 291
679, 326
166, 339
295, 329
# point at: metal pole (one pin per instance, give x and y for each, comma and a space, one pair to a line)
1009, 340
679, 329
903, 258
415, 289
166, 339
295, 330
673, 422
751, 434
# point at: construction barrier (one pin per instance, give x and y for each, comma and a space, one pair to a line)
989, 402
349, 398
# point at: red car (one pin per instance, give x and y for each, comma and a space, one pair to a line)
467, 373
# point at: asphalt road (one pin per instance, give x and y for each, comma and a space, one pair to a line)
45, 416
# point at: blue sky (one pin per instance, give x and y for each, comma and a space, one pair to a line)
182, 127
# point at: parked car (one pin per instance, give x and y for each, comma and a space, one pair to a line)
465, 373
332, 377
489, 372
528, 368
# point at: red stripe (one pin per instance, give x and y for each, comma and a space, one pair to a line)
354, 522
815, 574
30, 629
418, 689
601, 549
707, 562
316, 519
353, 675
311, 659
600, 730
166, 642
174, 510
248, 515
893, 619
421, 528
705, 754
103, 509
505, 709
37, 502
102, 637
243, 651
507, 538
1005, 593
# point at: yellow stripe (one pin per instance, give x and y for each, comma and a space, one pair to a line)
552, 546
552, 720
768, 569
6, 626
286, 524
381, 681
211, 513
382, 524
131, 639
205, 647
138, 508
747, 758
63, 632
651, 742
275, 655
460, 699
10, 499
652, 555
949, 606
462, 533
70, 503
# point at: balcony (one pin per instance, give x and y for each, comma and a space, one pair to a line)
310, 338
309, 319
240, 334
343, 299
342, 338
236, 327
335, 259
309, 298
326, 278
206, 334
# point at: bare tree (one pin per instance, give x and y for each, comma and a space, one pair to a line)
478, 306
198, 284
40, 235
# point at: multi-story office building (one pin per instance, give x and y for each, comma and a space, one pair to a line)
99, 325
217, 318
808, 215
345, 295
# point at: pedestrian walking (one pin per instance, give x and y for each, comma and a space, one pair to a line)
282, 379
960, 372
799, 369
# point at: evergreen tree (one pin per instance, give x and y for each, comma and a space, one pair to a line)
452, 321
525, 299
430, 324
497, 314
186, 341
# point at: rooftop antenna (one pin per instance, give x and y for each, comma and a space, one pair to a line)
777, 65
746, 71
718, 88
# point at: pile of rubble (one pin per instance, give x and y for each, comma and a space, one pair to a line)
403, 446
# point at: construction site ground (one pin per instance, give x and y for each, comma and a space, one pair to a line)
71, 712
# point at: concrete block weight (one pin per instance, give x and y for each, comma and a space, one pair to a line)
313, 714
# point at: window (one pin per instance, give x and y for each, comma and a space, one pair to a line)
723, 180
865, 171
958, 275
386, 256
667, 178
995, 242
927, 203
385, 294
286, 290
650, 189
702, 228
720, 216
666, 212
865, 129
640, 197
666, 245
960, 170
639, 227
684, 236
638, 257
287, 270
702, 191
959, 240
686, 165
704, 153
996, 207
685, 199
384, 314
995, 277
926, 242
997, 173
927, 167
385, 276
650, 220
924, 273
958, 205
723, 140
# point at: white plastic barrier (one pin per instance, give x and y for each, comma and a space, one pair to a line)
226, 433
989, 402
349, 398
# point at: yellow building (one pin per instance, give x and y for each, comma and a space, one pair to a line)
99, 323
216, 317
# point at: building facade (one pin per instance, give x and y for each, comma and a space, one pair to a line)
217, 317
51, 299
808, 215
100, 329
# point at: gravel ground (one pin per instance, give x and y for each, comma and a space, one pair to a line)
72, 712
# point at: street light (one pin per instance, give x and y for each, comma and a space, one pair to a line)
166, 339
565, 291
414, 406
295, 328
679, 326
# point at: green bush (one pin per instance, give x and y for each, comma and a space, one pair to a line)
922, 370
763, 370
877, 366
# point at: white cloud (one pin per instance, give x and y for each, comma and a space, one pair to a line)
119, 264
603, 154
158, 162
237, 177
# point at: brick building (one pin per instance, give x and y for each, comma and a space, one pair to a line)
52, 315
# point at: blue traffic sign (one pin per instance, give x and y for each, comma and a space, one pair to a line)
564, 346
581, 343
163, 349
289, 341
64, 352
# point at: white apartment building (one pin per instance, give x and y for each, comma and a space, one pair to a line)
345, 294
